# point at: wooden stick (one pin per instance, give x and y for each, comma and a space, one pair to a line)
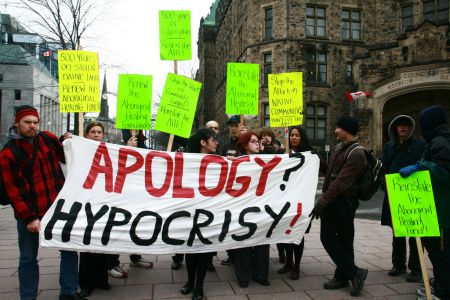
80, 124
241, 120
171, 137
286, 140
423, 267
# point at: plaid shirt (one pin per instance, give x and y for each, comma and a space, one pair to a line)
32, 188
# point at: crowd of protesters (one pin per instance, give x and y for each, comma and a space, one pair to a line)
30, 167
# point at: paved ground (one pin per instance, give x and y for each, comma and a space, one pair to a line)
372, 251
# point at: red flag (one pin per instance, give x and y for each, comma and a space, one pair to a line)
357, 95
48, 53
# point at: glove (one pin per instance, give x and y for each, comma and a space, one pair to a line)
317, 211
407, 171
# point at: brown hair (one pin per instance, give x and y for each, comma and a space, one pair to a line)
93, 124
269, 132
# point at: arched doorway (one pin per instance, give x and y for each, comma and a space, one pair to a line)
411, 104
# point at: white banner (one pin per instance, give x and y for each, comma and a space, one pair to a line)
130, 200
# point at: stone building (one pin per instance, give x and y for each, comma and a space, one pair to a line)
397, 50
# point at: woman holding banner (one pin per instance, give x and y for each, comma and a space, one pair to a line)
204, 141
298, 142
93, 266
251, 262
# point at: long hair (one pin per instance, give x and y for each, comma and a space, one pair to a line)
93, 124
243, 141
203, 134
304, 142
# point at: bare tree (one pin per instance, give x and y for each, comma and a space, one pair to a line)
64, 21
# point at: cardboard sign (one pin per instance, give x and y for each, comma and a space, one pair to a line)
130, 200
79, 84
178, 104
242, 89
412, 205
175, 35
286, 99
134, 102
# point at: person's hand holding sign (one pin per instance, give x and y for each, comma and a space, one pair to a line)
407, 171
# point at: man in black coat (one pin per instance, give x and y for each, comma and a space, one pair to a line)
402, 150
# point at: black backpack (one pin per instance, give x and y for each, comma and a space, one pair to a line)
371, 178
18, 155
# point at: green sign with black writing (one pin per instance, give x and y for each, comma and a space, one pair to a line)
175, 35
412, 205
242, 89
178, 104
134, 102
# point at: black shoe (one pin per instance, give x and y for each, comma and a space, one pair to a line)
75, 296
285, 269
295, 275
176, 265
414, 276
105, 287
187, 289
197, 296
395, 271
210, 267
226, 262
358, 281
335, 284
85, 292
264, 281
243, 284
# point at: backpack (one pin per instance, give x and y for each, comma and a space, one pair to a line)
18, 155
371, 178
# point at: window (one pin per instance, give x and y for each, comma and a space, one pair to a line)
1, 77
267, 67
315, 21
268, 22
436, 10
316, 116
348, 73
266, 116
407, 17
17, 95
351, 25
317, 66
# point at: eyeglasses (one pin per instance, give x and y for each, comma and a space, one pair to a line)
254, 141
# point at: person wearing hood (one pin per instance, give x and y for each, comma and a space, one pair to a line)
30, 169
402, 150
433, 122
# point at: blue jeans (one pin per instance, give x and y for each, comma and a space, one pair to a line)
29, 269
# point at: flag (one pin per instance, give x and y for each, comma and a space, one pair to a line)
48, 53
357, 95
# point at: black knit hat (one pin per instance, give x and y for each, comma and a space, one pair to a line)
348, 124
430, 118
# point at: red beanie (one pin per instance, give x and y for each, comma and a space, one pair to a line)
26, 110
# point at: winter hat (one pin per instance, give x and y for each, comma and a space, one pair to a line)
348, 124
430, 118
25, 110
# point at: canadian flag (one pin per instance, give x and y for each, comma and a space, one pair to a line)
47, 53
357, 95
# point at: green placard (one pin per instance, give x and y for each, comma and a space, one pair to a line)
286, 99
242, 89
175, 35
134, 102
412, 205
178, 104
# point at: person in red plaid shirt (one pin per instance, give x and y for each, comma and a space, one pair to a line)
32, 177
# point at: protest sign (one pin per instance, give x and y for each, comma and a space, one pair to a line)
175, 35
242, 89
123, 199
286, 99
79, 85
134, 102
178, 104
412, 205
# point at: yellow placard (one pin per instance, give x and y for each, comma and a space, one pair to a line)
79, 84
